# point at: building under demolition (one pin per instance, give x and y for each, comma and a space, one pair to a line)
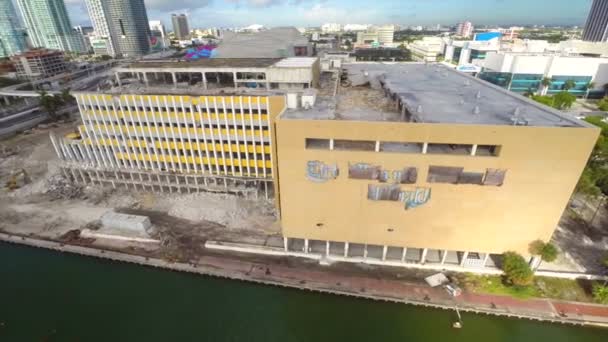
401, 162
186, 126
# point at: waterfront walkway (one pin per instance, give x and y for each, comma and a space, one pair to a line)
307, 276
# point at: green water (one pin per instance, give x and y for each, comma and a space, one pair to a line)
49, 296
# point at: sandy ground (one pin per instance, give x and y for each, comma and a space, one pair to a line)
50, 205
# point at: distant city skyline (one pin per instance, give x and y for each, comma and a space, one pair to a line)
232, 13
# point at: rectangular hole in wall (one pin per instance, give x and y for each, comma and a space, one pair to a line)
488, 150
444, 174
409, 175
471, 178
383, 192
494, 177
354, 145
400, 147
317, 144
449, 149
364, 171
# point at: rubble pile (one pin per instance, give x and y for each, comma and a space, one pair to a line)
60, 188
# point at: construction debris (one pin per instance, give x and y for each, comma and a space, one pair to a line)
58, 187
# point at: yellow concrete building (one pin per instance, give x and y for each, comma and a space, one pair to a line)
455, 170
174, 125
186, 141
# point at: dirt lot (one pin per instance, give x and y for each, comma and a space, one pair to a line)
49, 205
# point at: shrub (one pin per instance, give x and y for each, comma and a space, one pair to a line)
600, 293
546, 251
517, 271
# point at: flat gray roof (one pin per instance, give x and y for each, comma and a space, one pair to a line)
434, 93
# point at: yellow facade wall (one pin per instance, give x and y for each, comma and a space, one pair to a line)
543, 166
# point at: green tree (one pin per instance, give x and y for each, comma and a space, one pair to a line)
563, 100
546, 251
66, 96
600, 293
516, 269
594, 180
50, 103
569, 84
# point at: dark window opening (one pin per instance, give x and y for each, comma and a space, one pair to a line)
354, 145
470, 178
449, 149
400, 147
488, 150
444, 174
364, 171
494, 177
317, 144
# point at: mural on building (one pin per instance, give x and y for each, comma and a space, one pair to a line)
201, 51
318, 171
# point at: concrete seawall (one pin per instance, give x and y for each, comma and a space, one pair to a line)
236, 273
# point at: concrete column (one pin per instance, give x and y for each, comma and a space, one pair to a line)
377, 149
384, 249
174, 78
535, 262
331, 144
118, 78
7, 100
485, 259
204, 80
403, 254
423, 256
306, 246
326, 248
365, 251
138, 75
444, 255
236, 85
474, 150
285, 242
465, 255
146, 79
27, 100
425, 147
346, 249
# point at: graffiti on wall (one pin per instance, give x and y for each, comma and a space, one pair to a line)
318, 171
415, 198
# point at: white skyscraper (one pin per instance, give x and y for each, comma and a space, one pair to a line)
124, 22
100, 24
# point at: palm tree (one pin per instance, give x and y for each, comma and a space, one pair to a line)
569, 84
50, 103
66, 96
546, 83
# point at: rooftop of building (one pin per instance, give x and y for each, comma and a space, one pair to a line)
273, 43
208, 63
430, 93
38, 52
216, 63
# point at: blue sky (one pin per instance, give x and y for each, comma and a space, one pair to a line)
227, 13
